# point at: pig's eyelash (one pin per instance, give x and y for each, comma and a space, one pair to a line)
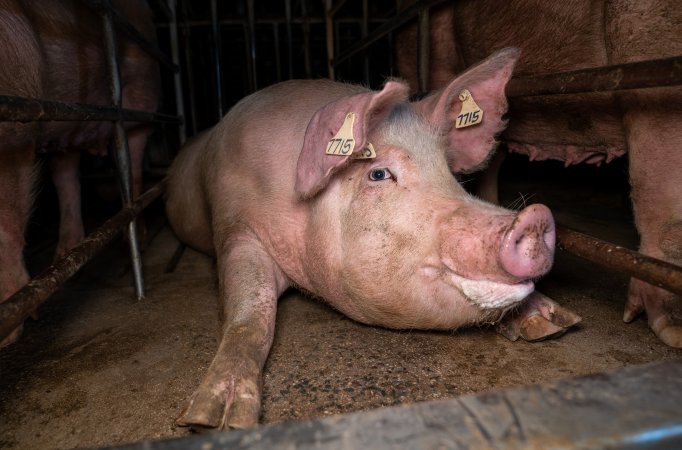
380, 174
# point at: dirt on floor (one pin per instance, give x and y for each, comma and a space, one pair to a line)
100, 368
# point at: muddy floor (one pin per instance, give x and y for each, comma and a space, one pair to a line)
100, 368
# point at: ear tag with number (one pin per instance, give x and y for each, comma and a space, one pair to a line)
342, 144
366, 153
471, 113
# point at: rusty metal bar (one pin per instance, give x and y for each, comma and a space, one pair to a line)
644, 74
653, 271
105, 7
20, 109
19, 306
121, 149
399, 20
177, 77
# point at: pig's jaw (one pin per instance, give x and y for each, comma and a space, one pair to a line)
487, 294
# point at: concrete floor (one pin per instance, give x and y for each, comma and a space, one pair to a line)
100, 368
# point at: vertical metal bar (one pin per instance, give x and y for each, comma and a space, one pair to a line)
121, 148
329, 31
365, 31
251, 43
177, 78
290, 38
306, 38
189, 68
423, 50
216, 56
278, 57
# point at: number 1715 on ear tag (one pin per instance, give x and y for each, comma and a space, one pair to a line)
471, 113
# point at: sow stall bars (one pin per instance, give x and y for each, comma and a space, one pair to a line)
18, 307
289, 64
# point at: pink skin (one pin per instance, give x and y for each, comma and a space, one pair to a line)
393, 241
58, 48
592, 128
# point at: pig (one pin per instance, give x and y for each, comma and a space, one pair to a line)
381, 230
590, 128
53, 50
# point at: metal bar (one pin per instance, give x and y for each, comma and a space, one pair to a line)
644, 74
20, 109
215, 31
19, 306
400, 19
165, 9
189, 70
653, 271
278, 56
329, 31
177, 77
364, 32
105, 7
423, 50
306, 40
290, 38
121, 150
251, 44
337, 7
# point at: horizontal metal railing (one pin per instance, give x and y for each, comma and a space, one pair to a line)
21, 109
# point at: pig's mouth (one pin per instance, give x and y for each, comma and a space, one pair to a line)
487, 294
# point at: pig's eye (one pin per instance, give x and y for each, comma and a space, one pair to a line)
379, 174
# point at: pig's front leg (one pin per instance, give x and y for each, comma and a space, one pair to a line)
536, 319
250, 284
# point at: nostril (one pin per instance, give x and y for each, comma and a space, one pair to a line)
528, 246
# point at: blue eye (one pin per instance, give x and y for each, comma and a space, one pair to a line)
379, 174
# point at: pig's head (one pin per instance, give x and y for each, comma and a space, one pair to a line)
395, 240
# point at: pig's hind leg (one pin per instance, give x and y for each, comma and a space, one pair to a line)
536, 319
64, 170
655, 141
250, 284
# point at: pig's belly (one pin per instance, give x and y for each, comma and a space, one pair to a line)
571, 128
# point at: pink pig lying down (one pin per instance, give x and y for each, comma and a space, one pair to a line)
381, 230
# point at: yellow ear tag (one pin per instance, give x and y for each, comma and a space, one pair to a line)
343, 143
471, 113
366, 153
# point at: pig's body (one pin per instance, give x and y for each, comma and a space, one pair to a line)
53, 50
393, 241
571, 35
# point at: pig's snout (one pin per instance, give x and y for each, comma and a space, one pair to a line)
528, 245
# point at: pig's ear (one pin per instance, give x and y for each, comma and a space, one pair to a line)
315, 166
470, 147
